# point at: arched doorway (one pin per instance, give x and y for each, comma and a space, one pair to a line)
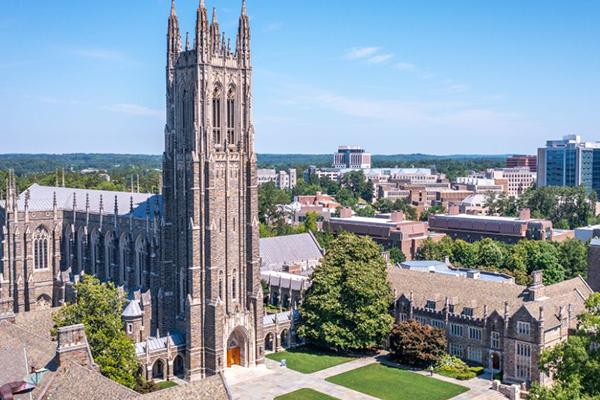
178, 367
158, 370
496, 361
284, 339
237, 346
269, 342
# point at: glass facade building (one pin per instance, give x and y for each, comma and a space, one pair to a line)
570, 162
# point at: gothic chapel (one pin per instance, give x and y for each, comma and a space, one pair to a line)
188, 259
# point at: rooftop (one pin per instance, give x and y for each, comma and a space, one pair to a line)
286, 250
439, 267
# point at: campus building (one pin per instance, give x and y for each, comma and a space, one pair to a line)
351, 157
569, 162
492, 322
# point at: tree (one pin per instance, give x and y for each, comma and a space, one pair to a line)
489, 254
575, 363
310, 223
417, 345
435, 209
347, 305
573, 255
396, 255
98, 308
464, 254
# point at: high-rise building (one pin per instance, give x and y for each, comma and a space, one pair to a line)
353, 157
522, 161
210, 273
569, 162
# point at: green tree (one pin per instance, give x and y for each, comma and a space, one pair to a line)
464, 254
417, 345
396, 255
573, 255
575, 363
489, 254
347, 305
99, 309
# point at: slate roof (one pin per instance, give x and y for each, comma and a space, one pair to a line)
132, 310
41, 199
278, 251
285, 280
473, 293
212, 388
157, 344
74, 382
285, 316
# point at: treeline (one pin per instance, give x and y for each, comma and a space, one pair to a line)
559, 261
566, 207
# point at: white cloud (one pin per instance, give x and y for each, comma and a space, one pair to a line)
380, 58
136, 110
361, 52
404, 66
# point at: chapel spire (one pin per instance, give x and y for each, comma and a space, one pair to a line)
243, 38
202, 32
173, 42
214, 32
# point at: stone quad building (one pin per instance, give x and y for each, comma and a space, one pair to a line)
188, 259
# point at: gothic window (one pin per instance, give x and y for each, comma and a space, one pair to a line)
140, 261
80, 249
123, 259
216, 116
40, 248
94, 252
233, 285
231, 117
109, 254
221, 284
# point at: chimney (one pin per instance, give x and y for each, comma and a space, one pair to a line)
453, 209
525, 214
73, 346
397, 216
536, 289
346, 212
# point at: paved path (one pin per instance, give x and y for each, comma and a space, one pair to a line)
270, 380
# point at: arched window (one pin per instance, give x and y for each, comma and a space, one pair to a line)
94, 252
80, 250
221, 284
41, 239
231, 116
109, 254
234, 285
140, 261
216, 116
123, 259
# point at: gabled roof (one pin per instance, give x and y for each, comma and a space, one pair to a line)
282, 250
41, 199
156, 344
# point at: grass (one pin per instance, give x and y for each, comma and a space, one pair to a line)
307, 359
165, 385
305, 394
389, 383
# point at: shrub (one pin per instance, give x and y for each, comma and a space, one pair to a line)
454, 367
418, 345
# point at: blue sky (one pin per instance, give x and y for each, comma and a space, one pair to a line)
394, 76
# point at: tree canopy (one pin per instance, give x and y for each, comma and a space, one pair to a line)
415, 344
575, 363
347, 305
99, 309
559, 261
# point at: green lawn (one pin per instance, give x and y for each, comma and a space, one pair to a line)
308, 360
389, 383
305, 394
165, 384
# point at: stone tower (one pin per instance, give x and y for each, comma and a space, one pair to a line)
210, 274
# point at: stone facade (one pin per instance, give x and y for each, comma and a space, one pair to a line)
188, 258
499, 325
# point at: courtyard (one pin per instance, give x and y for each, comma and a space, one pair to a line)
325, 376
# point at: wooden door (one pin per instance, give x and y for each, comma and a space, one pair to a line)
233, 356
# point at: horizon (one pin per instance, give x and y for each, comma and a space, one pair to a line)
457, 79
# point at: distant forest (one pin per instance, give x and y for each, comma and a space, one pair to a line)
124, 168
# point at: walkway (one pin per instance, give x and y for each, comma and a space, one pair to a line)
270, 380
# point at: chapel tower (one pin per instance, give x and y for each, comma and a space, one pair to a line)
210, 274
